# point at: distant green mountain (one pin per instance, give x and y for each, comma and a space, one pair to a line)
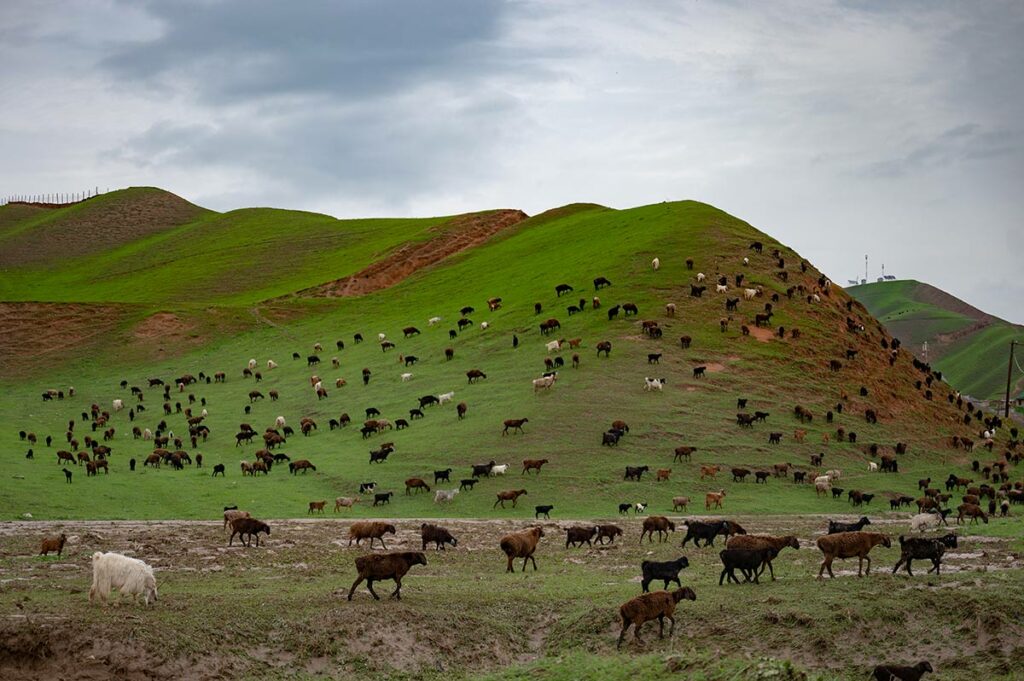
968, 345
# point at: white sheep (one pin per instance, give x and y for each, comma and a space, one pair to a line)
500, 469
834, 473
656, 263
445, 397
484, 325
824, 479
317, 386
382, 337
654, 383
406, 377
701, 277
553, 346
271, 364
147, 434
252, 364
279, 422
822, 485
924, 521
872, 467
433, 320
816, 298
746, 261
317, 347
544, 382
444, 495
749, 293
118, 405
204, 413
127, 575
721, 288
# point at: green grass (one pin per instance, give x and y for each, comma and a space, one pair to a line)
583, 478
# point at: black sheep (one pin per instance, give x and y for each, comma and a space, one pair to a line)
923, 548
887, 672
667, 571
751, 562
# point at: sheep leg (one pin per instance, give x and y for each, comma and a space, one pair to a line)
645, 585
672, 627
398, 588
622, 634
898, 564
510, 568
721, 577
661, 626
771, 570
867, 571
383, 544
369, 585
354, 585
909, 561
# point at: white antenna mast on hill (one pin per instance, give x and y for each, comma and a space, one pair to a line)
924, 351
865, 268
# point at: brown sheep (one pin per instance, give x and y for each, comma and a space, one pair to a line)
663, 474
659, 524
577, 535
708, 471
316, 506
437, 534
53, 544
533, 464
509, 495
850, 545
757, 542
651, 606
247, 527
416, 484
609, 531
521, 545
378, 567
972, 511
370, 529
680, 501
232, 515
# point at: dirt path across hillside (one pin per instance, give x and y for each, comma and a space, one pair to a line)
453, 237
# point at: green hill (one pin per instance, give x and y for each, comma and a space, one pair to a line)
969, 346
521, 265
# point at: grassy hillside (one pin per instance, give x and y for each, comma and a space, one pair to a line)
162, 254
583, 479
969, 346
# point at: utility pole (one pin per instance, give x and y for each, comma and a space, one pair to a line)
1009, 377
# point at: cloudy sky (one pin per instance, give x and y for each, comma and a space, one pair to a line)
843, 128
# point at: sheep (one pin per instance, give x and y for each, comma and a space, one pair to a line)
666, 571
659, 524
370, 529
972, 511
521, 545
888, 672
500, 469
608, 531
577, 535
233, 514
678, 502
406, 377
849, 545
697, 530
755, 542
533, 464
924, 548
247, 527
345, 502
751, 563
509, 495
836, 527
317, 506
437, 534
655, 264
53, 544
445, 495
701, 277
543, 510
127, 575
379, 567
650, 606
445, 397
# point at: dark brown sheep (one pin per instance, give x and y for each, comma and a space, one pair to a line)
376, 567
850, 545
651, 606
53, 544
659, 524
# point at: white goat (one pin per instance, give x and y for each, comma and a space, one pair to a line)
127, 575
445, 397
444, 495
406, 377
700, 277
656, 263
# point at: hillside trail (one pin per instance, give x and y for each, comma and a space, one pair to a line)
260, 319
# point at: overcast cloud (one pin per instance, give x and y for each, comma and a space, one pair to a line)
842, 128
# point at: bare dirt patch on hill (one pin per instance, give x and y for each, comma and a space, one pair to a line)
452, 237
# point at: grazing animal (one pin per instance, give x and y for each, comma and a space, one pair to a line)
440, 536
509, 495
345, 502
651, 606
248, 527
659, 524
850, 545
377, 567
533, 464
714, 499
923, 548
53, 544
888, 672
317, 506
521, 545
760, 542
751, 562
370, 529
514, 424
127, 575
445, 495
667, 571
578, 535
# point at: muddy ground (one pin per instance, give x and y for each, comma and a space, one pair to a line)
279, 611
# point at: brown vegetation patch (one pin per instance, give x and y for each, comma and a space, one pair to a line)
761, 334
454, 236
